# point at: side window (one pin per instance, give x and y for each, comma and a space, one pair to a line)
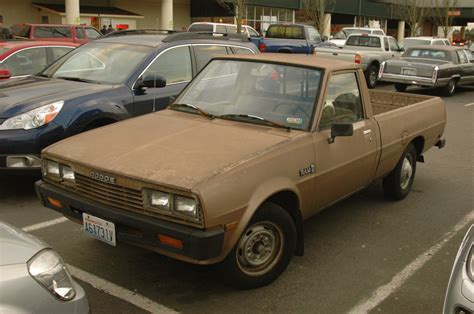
58, 52
342, 103
241, 50
43, 32
378, 33
470, 55
92, 33
62, 32
204, 53
462, 56
313, 34
385, 42
438, 43
253, 33
28, 61
174, 65
220, 29
79, 33
232, 29
393, 44
446, 42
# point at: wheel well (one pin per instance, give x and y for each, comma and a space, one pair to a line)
376, 63
288, 200
419, 143
98, 123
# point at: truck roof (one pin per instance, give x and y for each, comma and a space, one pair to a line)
296, 59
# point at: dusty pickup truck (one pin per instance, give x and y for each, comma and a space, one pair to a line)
367, 50
251, 148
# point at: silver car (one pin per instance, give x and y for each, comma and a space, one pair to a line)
460, 294
33, 278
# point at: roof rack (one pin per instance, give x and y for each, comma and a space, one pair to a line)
205, 35
142, 31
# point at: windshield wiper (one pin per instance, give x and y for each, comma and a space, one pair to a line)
253, 117
75, 79
201, 111
43, 75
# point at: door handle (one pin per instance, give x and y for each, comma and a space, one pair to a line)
367, 132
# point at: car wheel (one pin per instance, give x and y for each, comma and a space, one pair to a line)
400, 87
371, 76
264, 249
450, 89
398, 183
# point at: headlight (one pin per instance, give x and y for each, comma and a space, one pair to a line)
52, 169
470, 264
34, 118
58, 172
186, 206
160, 199
67, 174
48, 269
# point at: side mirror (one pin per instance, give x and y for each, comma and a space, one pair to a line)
152, 81
325, 38
401, 49
5, 74
387, 49
340, 129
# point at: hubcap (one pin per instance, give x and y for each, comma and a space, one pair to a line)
372, 78
452, 85
260, 248
406, 173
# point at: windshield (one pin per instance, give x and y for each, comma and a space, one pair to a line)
407, 43
108, 63
238, 90
426, 54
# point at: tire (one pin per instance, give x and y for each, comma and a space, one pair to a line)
400, 87
371, 76
270, 239
449, 89
398, 183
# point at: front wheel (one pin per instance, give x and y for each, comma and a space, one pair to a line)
398, 183
399, 87
264, 249
371, 76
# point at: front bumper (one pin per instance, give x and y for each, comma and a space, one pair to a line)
412, 80
136, 229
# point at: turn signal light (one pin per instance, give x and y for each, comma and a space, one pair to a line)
170, 241
55, 202
357, 58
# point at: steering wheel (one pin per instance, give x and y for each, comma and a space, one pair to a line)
296, 109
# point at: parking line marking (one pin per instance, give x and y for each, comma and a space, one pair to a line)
45, 224
469, 105
118, 291
383, 292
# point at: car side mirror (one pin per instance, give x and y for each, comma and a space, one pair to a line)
152, 81
5, 74
387, 49
340, 129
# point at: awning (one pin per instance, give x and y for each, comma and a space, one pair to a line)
92, 11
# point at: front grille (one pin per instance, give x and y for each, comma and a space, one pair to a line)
114, 195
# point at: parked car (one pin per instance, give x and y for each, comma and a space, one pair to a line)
409, 42
20, 57
339, 39
445, 67
292, 38
104, 81
460, 293
222, 28
253, 146
367, 50
33, 277
80, 34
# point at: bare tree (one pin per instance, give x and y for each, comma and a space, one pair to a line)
442, 14
315, 10
237, 9
414, 13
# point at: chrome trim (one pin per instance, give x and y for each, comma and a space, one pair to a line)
366, 132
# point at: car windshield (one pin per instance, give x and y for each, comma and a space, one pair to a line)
254, 92
107, 63
409, 42
426, 54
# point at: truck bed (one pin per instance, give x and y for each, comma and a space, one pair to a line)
384, 101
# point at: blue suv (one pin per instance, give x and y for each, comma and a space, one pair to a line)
104, 81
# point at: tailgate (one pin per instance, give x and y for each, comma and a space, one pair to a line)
335, 53
402, 117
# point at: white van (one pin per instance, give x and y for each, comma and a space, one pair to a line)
222, 28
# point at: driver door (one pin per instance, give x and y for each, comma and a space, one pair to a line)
347, 164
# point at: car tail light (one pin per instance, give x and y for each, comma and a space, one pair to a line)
357, 58
5, 74
262, 47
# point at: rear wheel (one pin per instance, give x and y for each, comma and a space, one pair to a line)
264, 249
450, 89
400, 87
371, 76
398, 183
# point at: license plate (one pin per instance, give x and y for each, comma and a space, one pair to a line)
99, 229
408, 71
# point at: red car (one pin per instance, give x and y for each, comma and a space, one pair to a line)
80, 34
22, 57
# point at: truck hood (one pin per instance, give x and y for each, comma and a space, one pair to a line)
169, 148
17, 247
23, 94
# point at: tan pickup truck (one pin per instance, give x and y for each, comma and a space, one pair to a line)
251, 148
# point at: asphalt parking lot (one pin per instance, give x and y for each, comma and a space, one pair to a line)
363, 254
